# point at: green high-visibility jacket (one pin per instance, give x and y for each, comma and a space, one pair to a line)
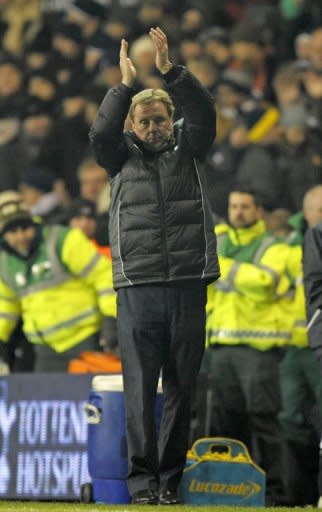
244, 304
295, 270
61, 294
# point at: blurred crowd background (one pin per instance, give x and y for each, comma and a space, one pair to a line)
261, 61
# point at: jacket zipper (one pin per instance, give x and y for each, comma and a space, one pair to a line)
163, 230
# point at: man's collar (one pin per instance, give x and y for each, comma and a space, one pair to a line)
244, 236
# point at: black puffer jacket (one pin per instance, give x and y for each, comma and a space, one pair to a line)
312, 269
161, 228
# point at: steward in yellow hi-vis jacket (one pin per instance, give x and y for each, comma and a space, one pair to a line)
53, 278
245, 335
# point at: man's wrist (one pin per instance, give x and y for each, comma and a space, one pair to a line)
166, 68
127, 84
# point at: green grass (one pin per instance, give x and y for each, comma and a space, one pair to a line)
29, 506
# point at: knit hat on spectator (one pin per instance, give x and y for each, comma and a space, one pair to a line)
81, 207
12, 211
39, 179
238, 80
70, 31
294, 115
90, 8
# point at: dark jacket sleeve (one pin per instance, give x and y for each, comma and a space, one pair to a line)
196, 106
312, 270
106, 134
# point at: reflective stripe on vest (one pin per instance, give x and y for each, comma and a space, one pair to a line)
7, 299
240, 334
106, 291
300, 323
10, 316
220, 238
228, 284
90, 265
262, 248
267, 242
62, 325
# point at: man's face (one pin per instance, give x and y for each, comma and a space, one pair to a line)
288, 93
41, 87
92, 181
228, 98
37, 125
313, 83
153, 125
67, 47
218, 51
10, 79
85, 224
20, 237
316, 49
247, 55
313, 209
296, 135
30, 195
242, 210
73, 106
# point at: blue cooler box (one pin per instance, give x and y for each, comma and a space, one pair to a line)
220, 471
106, 439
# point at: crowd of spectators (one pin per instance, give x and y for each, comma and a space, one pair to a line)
261, 61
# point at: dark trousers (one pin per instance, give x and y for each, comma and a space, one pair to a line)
246, 402
159, 327
47, 360
319, 355
300, 386
21, 353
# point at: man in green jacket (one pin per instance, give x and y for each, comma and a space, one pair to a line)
299, 372
246, 334
56, 281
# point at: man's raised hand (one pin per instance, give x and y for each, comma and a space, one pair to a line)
127, 68
160, 42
